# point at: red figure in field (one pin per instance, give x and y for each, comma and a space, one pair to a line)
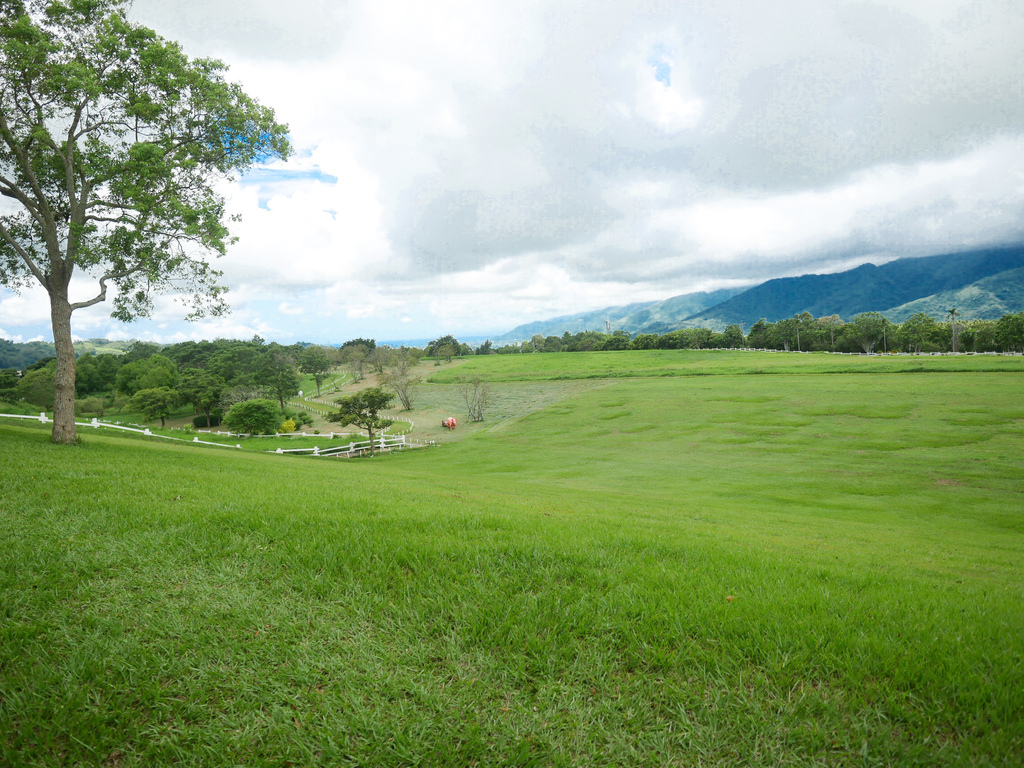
451, 422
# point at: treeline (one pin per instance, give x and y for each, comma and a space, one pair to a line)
155, 380
213, 377
867, 332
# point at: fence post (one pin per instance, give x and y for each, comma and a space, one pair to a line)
42, 417
316, 450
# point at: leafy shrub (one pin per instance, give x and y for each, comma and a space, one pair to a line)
254, 417
287, 426
92, 406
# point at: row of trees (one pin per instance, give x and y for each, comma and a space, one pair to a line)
866, 332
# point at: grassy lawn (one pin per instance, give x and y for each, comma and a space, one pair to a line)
709, 570
688, 362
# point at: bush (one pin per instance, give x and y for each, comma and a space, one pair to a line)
288, 426
254, 417
199, 422
92, 406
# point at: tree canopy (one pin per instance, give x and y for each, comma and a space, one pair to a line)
363, 409
110, 141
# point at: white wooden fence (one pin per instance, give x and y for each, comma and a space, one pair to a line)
382, 443
354, 448
96, 423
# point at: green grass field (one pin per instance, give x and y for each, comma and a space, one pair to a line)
729, 569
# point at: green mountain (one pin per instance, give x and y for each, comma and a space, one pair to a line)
645, 317
989, 298
869, 288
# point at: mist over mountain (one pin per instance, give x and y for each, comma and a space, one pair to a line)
647, 317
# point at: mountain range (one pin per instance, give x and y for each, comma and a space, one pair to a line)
981, 284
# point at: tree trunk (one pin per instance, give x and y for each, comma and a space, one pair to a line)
64, 430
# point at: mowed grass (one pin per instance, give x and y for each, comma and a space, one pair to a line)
728, 570
705, 362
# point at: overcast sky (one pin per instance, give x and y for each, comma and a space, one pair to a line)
464, 167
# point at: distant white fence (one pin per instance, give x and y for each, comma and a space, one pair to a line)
386, 443
96, 423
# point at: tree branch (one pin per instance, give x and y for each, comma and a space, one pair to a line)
102, 295
25, 256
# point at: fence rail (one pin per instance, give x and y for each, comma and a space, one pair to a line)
96, 423
358, 448
383, 443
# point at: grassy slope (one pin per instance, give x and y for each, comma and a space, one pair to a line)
552, 591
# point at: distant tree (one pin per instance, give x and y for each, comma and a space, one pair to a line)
954, 329
914, 332
732, 337
1010, 332
275, 370
254, 417
445, 347
355, 357
201, 389
485, 349
8, 382
759, 335
96, 373
239, 393
618, 340
139, 350
644, 341
552, 344
982, 336
150, 373
829, 324
400, 379
314, 362
156, 403
477, 395
93, 405
36, 387
367, 343
363, 409
866, 330
380, 358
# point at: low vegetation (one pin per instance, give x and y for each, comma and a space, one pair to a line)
726, 569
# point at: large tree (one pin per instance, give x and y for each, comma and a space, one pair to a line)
110, 142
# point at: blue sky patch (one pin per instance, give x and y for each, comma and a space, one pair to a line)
661, 63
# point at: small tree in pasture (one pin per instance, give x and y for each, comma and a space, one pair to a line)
155, 403
363, 409
477, 395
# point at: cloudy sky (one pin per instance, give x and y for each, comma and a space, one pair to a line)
464, 167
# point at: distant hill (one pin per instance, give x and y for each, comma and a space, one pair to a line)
891, 286
980, 284
18, 355
646, 317
989, 298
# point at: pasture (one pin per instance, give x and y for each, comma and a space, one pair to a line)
814, 567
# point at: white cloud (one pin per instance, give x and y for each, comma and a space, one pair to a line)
480, 164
